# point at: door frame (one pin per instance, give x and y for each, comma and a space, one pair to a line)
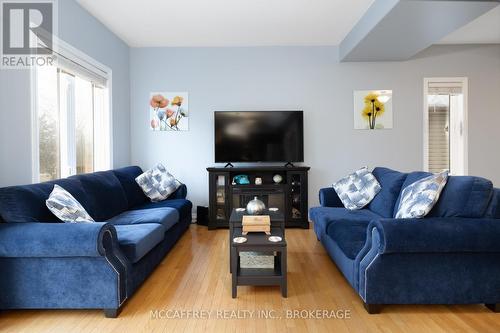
465, 128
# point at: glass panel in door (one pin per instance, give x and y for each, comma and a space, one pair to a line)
84, 126
48, 123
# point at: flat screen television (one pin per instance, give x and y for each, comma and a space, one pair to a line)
259, 136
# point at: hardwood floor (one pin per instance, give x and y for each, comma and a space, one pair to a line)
195, 276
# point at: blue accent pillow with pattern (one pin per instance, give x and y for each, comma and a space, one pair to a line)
418, 198
157, 183
357, 189
63, 205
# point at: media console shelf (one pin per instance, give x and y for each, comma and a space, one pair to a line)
289, 196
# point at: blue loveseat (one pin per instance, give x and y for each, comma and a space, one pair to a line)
46, 264
452, 256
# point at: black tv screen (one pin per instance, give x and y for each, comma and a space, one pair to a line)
259, 136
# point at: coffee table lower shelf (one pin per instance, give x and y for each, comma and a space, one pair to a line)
276, 276
259, 277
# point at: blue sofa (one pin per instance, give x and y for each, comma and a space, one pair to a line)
47, 264
452, 256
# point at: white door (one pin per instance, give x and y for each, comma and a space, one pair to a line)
445, 125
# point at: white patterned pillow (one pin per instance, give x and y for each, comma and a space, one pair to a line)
418, 198
357, 189
63, 205
157, 183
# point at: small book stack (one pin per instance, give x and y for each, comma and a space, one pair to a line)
256, 223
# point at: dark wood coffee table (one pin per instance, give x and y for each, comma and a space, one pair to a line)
258, 242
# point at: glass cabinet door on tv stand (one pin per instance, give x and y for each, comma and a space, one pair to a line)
219, 196
297, 195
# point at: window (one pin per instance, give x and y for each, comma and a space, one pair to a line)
72, 133
445, 130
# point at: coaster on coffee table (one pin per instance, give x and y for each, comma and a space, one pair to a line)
239, 240
275, 239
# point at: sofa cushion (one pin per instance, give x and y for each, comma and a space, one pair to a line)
126, 176
419, 198
357, 189
349, 235
410, 179
165, 216
464, 196
157, 183
137, 240
183, 206
324, 216
26, 203
385, 201
63, 205
106, 197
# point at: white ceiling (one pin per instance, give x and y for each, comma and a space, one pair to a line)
228, 22
483, 30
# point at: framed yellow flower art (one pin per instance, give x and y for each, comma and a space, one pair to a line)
372, 109
168, 111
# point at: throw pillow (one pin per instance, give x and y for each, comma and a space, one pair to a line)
63, 205
418, 198
157, 183
357, 189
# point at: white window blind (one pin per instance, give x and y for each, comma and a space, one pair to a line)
73, 64
85, 70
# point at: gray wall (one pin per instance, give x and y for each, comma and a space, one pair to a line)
78, 28
311, 79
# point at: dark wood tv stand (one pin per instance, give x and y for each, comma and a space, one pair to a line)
290, 196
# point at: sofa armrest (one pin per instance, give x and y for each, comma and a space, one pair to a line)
436, 235
329, 198
180, 193
53, 240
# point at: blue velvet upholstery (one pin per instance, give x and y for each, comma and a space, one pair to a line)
450, 256
183, 206
105, 195
391, 182
463, 196
59, 283
438, 235
84, 265
26, 203
86, 270
349, 235
493, 210
166, 216
137, 240
323, 216
329, 198
127, 176
37, 240
428, 277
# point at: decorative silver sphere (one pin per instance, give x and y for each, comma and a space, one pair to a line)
255, 207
